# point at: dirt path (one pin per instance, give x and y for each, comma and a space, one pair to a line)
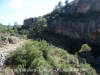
6, 49
12, 47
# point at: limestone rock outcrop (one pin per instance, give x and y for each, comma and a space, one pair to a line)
85, 6
29, 22
77, 29
88, 5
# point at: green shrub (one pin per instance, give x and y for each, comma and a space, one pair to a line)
85, 48
32, 56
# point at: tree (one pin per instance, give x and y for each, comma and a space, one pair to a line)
85, 48
66, 2
39, 27
9, 24
56, 6
41, 24
15, 24
60, 4
15, 28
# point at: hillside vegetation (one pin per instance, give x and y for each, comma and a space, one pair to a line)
8, 34
44, 57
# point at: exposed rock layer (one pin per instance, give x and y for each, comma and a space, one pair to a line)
85, 6
78, 29
29, 22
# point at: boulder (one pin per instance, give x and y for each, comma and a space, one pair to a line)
13, 40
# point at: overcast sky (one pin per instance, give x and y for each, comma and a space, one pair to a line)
17, 10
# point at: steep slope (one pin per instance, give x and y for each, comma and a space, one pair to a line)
76, 29
78, 19
40, 58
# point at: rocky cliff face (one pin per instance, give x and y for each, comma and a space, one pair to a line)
78, 29
88, 5
29, 22
85, 6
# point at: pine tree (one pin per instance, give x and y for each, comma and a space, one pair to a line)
66, 2
60, 4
